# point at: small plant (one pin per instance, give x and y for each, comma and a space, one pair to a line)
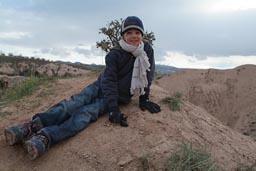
246, 167
174, 101
188, 159
145, 163
157, 76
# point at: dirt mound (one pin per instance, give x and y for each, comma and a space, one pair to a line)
229, 95
107, 147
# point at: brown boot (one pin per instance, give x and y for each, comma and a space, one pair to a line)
19, 133
36, 145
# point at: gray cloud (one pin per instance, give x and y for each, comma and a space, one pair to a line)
55, 51
231, 34
85, 52
88, 52
178, 25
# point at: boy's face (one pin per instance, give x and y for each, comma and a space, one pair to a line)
133, 37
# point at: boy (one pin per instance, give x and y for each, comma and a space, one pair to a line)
129, 71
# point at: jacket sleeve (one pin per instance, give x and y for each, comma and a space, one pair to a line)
109, 81
150, 74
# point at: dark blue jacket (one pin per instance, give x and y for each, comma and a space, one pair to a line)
115, 80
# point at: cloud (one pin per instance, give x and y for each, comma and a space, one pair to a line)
14, 35
56, 51
85, 52
227, 34
182, 60
232, 5
88, 51
61, 27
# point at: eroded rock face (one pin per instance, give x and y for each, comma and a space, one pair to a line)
6, 68
14, 73
59, 70
228, 95
48, 69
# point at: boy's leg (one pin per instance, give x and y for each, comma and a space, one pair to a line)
55, 115
60, 112
77, 122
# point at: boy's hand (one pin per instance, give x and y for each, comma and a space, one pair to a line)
118, 117
150, 106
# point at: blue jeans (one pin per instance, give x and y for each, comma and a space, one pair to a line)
68, 117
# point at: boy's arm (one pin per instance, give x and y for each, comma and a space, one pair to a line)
109, 82
144, 99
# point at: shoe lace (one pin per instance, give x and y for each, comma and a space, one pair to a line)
31, 128
43, 138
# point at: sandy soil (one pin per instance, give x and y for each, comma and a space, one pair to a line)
103, 146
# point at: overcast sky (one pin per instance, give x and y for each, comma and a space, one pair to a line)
189, 33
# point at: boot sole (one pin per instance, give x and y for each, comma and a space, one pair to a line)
10, 136
31, 149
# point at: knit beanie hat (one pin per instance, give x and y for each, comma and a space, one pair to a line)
132, 22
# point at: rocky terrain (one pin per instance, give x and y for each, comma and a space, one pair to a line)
218, 115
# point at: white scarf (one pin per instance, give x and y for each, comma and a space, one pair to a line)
140, 68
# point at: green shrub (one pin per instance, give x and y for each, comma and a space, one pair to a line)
174, 101
188, 159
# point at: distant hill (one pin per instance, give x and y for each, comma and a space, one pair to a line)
25, 66
165, 69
